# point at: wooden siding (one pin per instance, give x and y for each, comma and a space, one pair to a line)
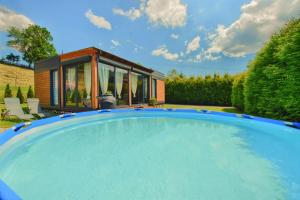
160, 91
42, 87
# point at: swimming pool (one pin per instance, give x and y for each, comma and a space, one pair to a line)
152, 154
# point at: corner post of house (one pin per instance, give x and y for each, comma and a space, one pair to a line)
94, 100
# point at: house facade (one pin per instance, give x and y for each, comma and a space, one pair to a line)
75, 80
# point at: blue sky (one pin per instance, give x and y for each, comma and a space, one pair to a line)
191, 36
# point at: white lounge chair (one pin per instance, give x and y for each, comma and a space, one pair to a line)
14, 107
34, 107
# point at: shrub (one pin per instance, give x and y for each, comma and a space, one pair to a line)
7, 91
237, 95
30, 93
210, 90
152, 102
272, 87
20, 95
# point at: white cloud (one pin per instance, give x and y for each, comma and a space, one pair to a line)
259, 19
205, 55
164, 52
132, 13
174, 36
169, 13
193, 45
115, 43
10, 18
98, 21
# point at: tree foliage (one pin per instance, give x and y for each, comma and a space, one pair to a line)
272, 87
7, 91
13, 58
30, 93
208, 90
237, 95
34, 42
20, 95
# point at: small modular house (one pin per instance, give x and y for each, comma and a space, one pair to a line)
74, 81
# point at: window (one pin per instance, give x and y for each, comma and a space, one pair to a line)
154, 88
122, 86
54, 87
106, 74
139, 88
84, 85
115, 81
70, 86
77, 85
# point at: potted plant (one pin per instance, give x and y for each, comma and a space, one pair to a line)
152, 102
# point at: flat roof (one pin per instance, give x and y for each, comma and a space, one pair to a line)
54, 62
123, 60
101, 52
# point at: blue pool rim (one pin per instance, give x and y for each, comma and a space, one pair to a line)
7, 194
25, 126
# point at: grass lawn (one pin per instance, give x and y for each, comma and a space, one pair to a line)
213, 108
11, 121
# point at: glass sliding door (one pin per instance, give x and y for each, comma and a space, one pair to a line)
77, 85
84, 85
145, 89
115, 81
70, 86
154, 88
54, 87
106, 79
122, 86
139, 88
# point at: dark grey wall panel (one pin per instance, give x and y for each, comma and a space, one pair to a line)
77, 60
47, 64
158, 75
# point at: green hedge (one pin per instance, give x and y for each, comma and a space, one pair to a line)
272, 87
237, 96
210, 90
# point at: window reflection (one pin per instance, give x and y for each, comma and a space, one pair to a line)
78, 85
84, 85
154, 90
54, 88
70, 86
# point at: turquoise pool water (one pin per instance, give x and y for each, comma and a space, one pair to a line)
154, 155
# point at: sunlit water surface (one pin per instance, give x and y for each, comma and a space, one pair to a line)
155, 156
